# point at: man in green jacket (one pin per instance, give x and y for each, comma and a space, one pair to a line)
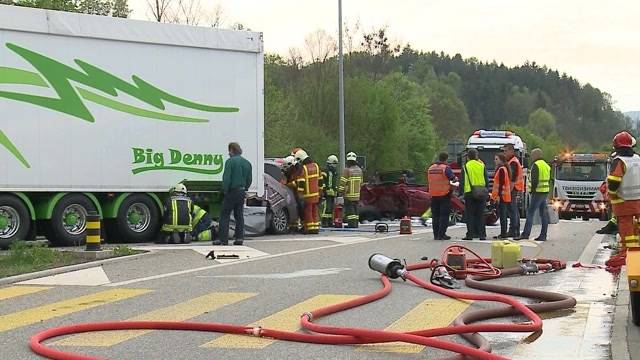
236, 180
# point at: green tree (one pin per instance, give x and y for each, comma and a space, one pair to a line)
120, 9
62, 5
415, 129
542, 123
95, 7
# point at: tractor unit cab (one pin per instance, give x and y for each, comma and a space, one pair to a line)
577, 180
489, 143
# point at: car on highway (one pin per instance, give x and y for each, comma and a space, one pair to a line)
282, 206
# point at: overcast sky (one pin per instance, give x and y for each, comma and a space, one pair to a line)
595, 41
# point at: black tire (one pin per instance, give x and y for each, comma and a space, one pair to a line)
69, 232
278, 221
635, 307
138, 220
15, 221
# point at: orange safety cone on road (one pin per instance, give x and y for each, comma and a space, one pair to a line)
405, 226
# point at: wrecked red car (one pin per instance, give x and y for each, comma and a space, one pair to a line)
395, 194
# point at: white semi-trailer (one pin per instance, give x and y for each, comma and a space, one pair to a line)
105, 114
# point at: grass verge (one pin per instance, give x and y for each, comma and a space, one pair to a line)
23, 258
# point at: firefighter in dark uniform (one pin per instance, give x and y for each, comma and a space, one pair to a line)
177, 216
329, 185
349, 189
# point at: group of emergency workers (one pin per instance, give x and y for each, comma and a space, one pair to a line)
315, 187
508, 186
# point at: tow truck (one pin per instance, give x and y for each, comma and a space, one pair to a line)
577, 179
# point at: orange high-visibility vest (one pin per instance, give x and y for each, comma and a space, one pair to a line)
506, 187
308, 182
438, 180
519, 185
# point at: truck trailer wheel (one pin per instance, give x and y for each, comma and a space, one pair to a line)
138, 219
14, 220
69, 220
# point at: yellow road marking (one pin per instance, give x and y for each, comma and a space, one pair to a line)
288, 320
429, 314
61, 308
14, 291
178, 312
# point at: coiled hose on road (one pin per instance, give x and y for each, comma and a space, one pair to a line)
325, 334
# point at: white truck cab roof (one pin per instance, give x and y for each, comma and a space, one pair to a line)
492, 139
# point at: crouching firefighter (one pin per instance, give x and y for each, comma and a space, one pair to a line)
177, 216
203, 229
309, 191
329, 185
349, 189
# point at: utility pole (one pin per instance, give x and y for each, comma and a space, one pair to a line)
341, 87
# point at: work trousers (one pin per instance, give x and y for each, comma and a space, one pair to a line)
538, 203
625, 212
233, 201
351, 213
310, 218
514, 214
440, 209
327, 211
504, 209
474, 214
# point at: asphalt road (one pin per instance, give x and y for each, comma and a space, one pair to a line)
278, 278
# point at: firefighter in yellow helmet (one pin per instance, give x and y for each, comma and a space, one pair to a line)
349, 189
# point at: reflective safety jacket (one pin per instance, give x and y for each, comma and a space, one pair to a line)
177, 216
540, 177
307, 181
474, 175
438, 180
350, 183
329, 182
501, 185
518, 177
624, 179
197, 214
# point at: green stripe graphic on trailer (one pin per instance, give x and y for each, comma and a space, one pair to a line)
64, 80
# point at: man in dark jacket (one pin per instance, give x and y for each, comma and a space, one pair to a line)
236, 180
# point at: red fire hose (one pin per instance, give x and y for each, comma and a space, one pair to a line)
331, 334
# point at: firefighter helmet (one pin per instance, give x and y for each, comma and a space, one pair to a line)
623, 140
289, 161
352, 156
332, 160
180, 188
301, 155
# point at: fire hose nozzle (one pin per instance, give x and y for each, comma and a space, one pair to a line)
393, 268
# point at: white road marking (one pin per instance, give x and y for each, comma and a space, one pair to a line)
243, 252
339, 239
88, 277
189, 271
291, 275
